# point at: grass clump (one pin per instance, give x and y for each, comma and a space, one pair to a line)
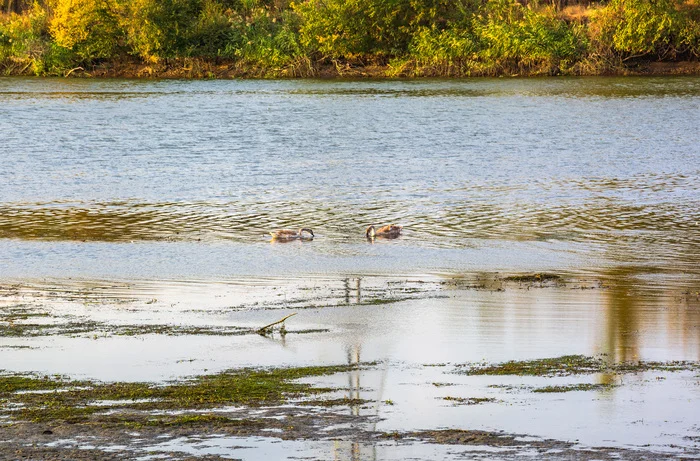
10, 384
341, 402
201, 419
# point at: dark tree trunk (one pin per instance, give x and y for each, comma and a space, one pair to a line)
15, 6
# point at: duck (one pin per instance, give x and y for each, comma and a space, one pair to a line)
287, 234
390, 231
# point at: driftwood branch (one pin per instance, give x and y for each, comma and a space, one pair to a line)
73, 70
634, 56
267, 327
21, 72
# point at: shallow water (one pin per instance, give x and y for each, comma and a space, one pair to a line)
419, 344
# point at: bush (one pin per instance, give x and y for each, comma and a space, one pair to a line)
89, 28
416, 37
360, 28
212, 33
513, 36
443, 52
689, 31
637, 28
26, 47
267, 42
160, 29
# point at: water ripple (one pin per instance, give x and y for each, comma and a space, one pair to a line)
636, 231
581, 165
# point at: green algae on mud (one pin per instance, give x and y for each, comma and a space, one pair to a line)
10, 384
54, 399
469, 400
573, 388
103, 329
572, 365
210, 421
568, 364
88, 327
532, 278
345, 401
474, 437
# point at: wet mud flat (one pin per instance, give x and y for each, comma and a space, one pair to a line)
65, 419
181, 370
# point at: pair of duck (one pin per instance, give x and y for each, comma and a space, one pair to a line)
305, 233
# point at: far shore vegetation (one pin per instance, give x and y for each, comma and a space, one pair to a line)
317, 38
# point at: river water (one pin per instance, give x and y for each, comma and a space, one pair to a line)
184, 179
159, 196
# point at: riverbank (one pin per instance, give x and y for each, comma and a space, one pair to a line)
190, 68
363, 38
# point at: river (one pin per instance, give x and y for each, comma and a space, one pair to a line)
495, 174
142, 203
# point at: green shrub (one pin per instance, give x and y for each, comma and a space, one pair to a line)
263, 35
433, 45
89, 28
688, 41
443, 52
416, 37
25, 44
160, 29
212, 32
55, 60
655, 28
355, 28
513, 36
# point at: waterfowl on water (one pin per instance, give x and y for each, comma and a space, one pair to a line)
288, 234
390, 231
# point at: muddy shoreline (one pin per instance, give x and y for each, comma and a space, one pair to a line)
64, 417
32, 441
119, 431
124, 429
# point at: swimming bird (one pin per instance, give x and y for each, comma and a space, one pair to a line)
286, 234
390, 231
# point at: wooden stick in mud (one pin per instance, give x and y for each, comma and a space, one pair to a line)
275, 323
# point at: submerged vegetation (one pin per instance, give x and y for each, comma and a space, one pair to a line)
336, 37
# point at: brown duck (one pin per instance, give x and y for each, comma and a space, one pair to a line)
287, 234
390, 231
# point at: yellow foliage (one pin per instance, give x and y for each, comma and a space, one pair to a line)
88, 27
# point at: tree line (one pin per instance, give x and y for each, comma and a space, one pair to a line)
405, 37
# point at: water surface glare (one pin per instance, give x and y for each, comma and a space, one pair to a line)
604, 170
